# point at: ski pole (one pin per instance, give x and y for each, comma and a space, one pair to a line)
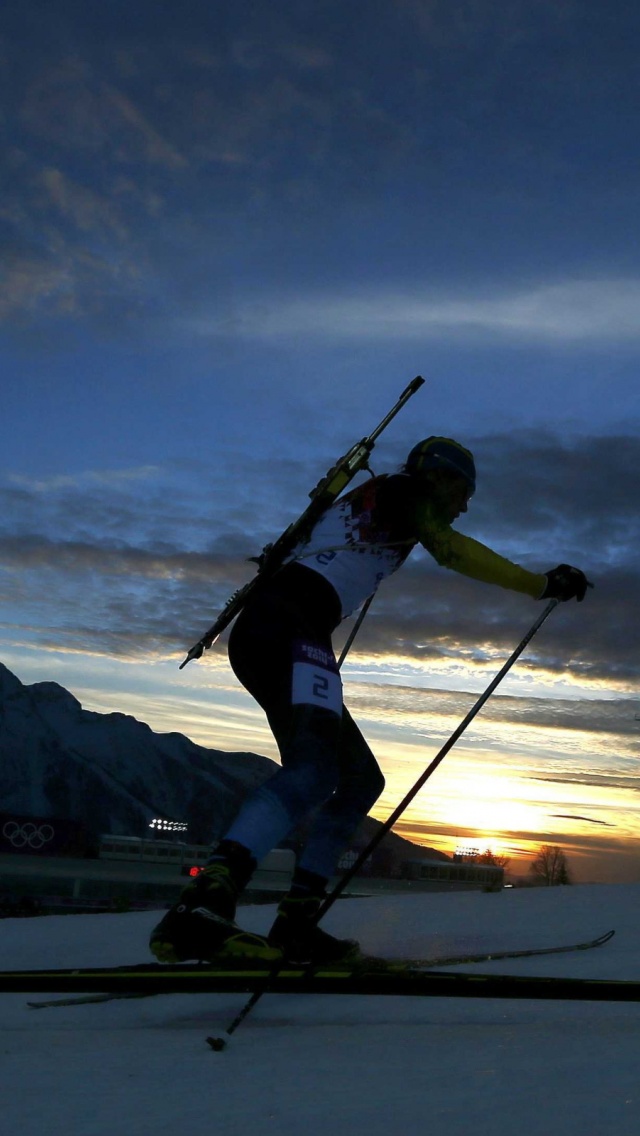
355, 629
442, 753
219, 1043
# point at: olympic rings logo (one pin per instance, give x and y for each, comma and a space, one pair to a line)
29, 834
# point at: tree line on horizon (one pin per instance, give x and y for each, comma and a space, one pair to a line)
549, 868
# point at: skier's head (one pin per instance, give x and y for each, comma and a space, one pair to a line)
442, 454
446, 470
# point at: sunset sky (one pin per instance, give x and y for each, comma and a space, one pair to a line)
232, 233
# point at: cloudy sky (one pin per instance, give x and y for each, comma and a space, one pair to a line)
232, 233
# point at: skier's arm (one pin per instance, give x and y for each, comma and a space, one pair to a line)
463, 554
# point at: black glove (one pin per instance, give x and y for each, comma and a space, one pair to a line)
565, 583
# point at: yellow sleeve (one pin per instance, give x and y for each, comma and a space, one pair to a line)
452, 549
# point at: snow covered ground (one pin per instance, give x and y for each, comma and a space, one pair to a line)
307, 1065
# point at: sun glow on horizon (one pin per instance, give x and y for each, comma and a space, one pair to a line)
527, 771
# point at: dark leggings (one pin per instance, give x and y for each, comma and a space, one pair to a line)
329, 778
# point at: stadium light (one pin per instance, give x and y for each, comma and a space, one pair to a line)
161, 825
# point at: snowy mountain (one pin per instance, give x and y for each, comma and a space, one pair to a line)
109, 771
114, 774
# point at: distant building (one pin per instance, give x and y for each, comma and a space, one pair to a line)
454, 875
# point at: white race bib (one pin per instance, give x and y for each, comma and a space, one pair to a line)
316, 680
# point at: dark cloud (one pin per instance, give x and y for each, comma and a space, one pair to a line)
587, 820
184, 536
142, 151
579, 491
598, 781
121, 149
595, 642
541, 500
604, 716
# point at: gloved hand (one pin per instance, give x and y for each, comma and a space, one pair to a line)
565, 583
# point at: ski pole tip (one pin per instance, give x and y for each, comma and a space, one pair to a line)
217, 1043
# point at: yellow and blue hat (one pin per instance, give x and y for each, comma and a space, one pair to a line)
442, 453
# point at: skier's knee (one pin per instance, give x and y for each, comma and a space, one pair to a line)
372, 788
377, 784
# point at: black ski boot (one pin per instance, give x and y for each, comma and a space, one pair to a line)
295, 932
201, 924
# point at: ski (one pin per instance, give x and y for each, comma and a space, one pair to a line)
498, 956
403, 982
87, 999
394, 965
